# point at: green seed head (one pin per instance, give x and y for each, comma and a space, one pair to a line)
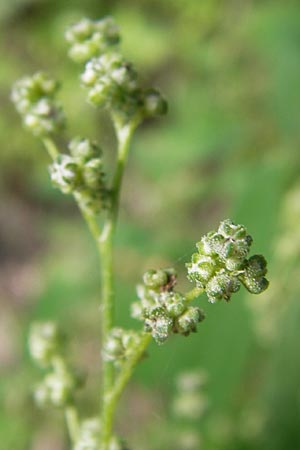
89, 38
34, 99
84, 150
66, 174
222, 286
89, 435
57, 389
45, 342
187, 322
155, 279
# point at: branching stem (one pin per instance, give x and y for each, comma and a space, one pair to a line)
112, 396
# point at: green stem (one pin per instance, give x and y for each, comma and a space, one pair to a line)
112, 396
72, 421
124, 135
105, 242
59, 365
194, 293
50, 147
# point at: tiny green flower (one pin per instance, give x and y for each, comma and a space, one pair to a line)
57, 389
187, 322
222, 286
221, 263
45, 342
34, 98
89, 38
120, 345
66, 174
89, 436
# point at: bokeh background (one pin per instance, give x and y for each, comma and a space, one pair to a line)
229, 147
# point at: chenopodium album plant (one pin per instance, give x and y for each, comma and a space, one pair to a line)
219, 268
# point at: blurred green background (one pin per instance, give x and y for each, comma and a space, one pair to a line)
229, 147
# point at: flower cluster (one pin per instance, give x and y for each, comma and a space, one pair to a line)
221, 264
90, 38
45, 341
34, 98
82, 173
111, 80
89, 437
46, 345
163, 310
120, 345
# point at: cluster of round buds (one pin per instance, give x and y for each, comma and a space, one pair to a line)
82, 173
113, 85
89, 437
221, 264
163, 310
89, 38
34, 98
190, 402
120, 345
56, 389
45, 341
46, 346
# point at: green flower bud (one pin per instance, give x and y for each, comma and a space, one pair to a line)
175, 304
256, 267
120, 345
90, 38
158, 323
45, 342
89, 435
201, 269
222, 286
253, 275
112, 84
57, 389
34, 98
236, 244
187, 322
93, 175
255, 285
154, 103
84, 150
155, 279
137, 310
66, 174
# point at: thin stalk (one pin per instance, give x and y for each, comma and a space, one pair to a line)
50, 147
194, 293
72, 422
124, 134
112, 396
71, 414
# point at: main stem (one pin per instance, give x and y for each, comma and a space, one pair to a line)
112, 396
105, 245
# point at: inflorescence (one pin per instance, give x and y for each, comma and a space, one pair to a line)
46, 346
221, 264
111, 79
163, 310
82, 174
34, 98
219, 267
